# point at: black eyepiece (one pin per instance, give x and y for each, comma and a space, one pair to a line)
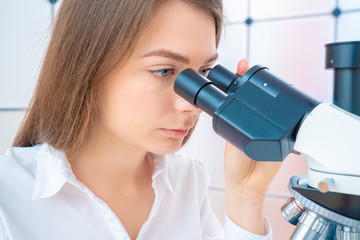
199, 91
222, 77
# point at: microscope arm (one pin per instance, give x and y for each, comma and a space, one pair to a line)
329, 137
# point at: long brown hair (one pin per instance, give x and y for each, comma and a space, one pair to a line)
90, 39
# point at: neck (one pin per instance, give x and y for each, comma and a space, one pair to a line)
106, 163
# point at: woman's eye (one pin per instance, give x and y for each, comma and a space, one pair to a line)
205, 72
164, 72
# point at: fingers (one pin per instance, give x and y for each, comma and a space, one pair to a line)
242, 67
229, 147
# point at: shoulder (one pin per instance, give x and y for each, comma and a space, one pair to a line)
17, 170
17, 158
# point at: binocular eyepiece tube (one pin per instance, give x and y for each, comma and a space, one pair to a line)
250, 111
200, 91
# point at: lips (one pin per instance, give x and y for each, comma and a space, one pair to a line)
175, 133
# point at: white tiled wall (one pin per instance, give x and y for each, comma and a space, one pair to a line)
286, 36
232, 45
294, 50
235, 10
348, 31
9, 123
349, 4
264, 9
24, 34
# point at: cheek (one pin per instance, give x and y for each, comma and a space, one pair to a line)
139, 107
154, 104
140, 101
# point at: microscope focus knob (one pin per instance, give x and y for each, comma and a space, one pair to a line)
326, 185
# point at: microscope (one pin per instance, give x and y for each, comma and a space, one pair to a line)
268, 118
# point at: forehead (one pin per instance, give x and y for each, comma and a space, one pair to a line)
181, 27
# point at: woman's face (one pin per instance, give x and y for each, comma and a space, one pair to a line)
139, 107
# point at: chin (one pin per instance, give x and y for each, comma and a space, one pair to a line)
167, 147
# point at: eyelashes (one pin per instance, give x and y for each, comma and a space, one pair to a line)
169, 72
163, 73
205, 71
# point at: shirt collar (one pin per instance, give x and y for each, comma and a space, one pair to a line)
161, 170
53, 171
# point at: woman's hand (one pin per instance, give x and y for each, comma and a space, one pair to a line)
246, 183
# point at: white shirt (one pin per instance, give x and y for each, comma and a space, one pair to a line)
41, 199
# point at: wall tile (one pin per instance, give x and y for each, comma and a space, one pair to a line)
24, 27
232, 45
262, 9
349, 4
292, 165
235, 10
347, 27
294, 50
57, 6
9, 124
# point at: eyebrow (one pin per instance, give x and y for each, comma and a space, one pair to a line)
175, 56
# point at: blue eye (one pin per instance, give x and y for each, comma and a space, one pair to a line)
205, 72
164, 72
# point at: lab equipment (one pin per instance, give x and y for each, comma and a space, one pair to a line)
268, 118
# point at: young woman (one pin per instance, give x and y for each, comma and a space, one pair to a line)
93, 158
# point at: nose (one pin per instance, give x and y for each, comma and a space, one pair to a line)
184, 106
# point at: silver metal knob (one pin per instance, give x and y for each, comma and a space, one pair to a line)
292, 210
310, 227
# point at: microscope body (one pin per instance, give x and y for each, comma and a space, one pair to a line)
326, 202
329, 138
268, 118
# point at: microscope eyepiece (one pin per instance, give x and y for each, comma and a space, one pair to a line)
188, 84
222, 77
199, 91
